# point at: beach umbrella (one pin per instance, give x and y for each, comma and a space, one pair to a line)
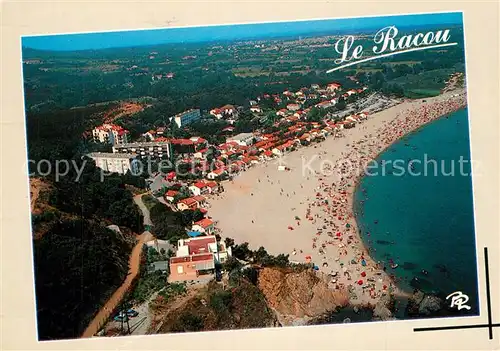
290, 227
297, 218
363, 263
363, 274
360, 282
348, 225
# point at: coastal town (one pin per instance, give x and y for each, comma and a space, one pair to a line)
239, 153
243, 174
224, 185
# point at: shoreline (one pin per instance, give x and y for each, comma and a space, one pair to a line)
352, 196
242, 212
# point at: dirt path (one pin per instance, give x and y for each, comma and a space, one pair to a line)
144, 209
105, 312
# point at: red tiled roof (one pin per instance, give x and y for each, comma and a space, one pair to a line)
198, 246
203, 257
198, 140
193, 258
199, 198
205, 222
261, 143
200, 185
182, 142
188, 201
228, 107
218, 171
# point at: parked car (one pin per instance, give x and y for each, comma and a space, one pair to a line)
119, 317
132, 313
218, 275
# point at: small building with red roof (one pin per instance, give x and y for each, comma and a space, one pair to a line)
196, 258
204, 226
199, 188
216, 173
187, 204
333, 87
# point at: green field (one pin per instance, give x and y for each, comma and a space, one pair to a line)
425, 84
285, 74
409, 63
421, 93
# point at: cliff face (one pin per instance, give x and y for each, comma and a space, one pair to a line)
299, 294
219, 307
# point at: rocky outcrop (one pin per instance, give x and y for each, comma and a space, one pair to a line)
425, 305
382, 309
296, 295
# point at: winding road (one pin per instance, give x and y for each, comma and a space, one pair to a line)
134, 264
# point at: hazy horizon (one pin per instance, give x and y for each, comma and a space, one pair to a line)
219, 33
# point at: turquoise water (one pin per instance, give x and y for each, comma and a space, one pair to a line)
424, 222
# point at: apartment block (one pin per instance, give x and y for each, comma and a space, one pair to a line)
151, 149
110, 134
186, 117
115, 163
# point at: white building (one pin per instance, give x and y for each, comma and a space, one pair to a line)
225, 111
110, 134
149, 149
116, 163
206, 244
255, 109
186, 117
333, 87
243, 139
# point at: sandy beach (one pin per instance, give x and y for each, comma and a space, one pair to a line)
307, 212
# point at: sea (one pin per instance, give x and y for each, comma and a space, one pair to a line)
416, 210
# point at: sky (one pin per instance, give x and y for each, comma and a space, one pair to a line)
132, 38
